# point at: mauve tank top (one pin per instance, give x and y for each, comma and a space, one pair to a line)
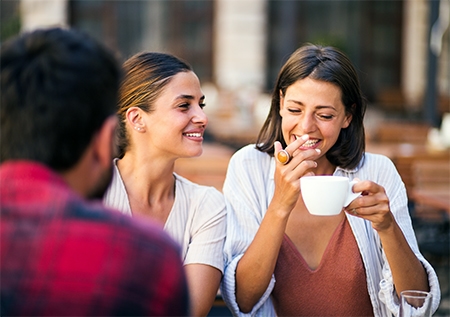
337, 287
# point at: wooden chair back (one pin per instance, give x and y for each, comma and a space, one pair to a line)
402, 132
429, 173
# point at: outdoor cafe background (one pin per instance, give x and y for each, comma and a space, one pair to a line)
400, 48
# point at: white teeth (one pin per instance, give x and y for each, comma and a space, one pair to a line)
194, 135
310, 143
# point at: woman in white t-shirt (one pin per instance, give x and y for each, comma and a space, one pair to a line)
162, 119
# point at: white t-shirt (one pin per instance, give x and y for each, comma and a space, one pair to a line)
197, 220
248, 190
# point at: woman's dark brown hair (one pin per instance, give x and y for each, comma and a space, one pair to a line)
330, 65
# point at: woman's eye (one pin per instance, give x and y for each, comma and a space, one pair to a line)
294, 110
326, 117
184, 105
202, 105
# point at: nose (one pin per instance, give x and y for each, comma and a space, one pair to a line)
308, 123
199, 116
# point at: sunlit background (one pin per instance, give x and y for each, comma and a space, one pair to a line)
236, 47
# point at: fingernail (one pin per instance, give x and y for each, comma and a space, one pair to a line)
318, 151
305, 137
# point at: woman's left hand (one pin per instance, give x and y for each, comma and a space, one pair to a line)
373, 205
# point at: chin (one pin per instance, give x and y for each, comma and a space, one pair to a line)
198, 153
194, 152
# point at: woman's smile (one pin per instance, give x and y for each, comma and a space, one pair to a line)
194, 135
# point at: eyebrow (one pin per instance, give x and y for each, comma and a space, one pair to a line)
317, 107
188, 97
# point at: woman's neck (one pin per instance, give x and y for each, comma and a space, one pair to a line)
324, 167
150, 185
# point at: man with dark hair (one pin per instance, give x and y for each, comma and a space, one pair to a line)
60, 254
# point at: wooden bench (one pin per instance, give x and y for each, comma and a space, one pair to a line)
402, 132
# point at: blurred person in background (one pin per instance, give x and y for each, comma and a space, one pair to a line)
280, 259
161, 119
61, 254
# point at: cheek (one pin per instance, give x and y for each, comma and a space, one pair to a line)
288, 123
331, 135
328, 130
287, 118
332, 131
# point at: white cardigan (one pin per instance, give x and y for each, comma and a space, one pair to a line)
248, 190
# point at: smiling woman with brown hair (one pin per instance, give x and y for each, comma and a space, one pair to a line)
161, 119
282, 260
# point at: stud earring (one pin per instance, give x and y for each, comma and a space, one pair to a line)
137, 128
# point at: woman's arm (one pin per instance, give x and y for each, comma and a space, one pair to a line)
257, 265
204, 260
407, 271
255, 268
203, 281
399, 250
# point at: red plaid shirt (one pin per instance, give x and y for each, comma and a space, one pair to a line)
61, 255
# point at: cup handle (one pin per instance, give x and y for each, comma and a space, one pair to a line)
351, 196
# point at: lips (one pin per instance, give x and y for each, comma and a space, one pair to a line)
194, 135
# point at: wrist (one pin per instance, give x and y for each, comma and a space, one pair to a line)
387, 226
279, 211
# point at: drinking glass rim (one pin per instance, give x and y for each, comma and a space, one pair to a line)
415, 294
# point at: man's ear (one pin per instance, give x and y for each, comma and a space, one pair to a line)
105, 142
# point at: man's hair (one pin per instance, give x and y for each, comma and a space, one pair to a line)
57, 88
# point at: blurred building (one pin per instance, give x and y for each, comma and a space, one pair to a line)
238, 46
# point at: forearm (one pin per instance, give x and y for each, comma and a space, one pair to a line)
254, 270
407, 271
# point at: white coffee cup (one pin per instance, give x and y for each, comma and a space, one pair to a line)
326, 195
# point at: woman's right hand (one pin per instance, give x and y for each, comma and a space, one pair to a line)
255, 268
287, 176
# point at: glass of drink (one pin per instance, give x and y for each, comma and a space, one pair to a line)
415, 304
